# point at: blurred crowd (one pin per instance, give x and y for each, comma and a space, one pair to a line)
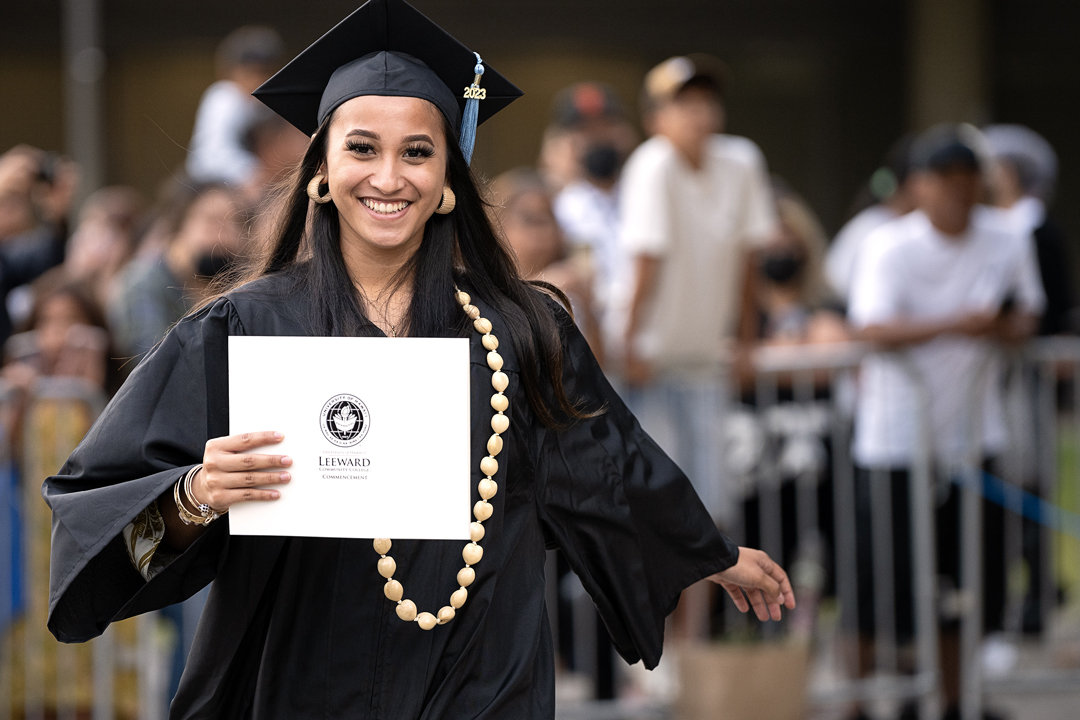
649, 234
90, 283
680, 253
683, 257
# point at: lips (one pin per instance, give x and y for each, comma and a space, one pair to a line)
385, 208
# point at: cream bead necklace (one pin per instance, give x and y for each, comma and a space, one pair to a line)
406, 609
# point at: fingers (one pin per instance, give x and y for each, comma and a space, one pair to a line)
760, 605
775, 608
775, 583
761, 580
758, 573
221, 489
226, 499
233, 462
788, 598
232, 474
736, 595
763, 609
244, 441
777, 574
222, 492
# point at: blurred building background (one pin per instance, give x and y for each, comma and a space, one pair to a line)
823, 86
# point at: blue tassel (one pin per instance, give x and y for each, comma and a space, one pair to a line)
472, 112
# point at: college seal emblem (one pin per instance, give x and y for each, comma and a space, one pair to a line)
344, 420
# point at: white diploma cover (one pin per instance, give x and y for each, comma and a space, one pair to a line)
377, 429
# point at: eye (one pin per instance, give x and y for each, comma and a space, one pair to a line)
415, 152
360, 148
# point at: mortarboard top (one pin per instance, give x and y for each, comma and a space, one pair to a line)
385, 47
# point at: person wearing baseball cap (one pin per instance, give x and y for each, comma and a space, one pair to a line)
667, 81
694, 203
943, 284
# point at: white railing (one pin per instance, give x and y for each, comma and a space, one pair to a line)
792, 441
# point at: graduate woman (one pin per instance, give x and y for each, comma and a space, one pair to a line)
382, 232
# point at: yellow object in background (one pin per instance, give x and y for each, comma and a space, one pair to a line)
41, 674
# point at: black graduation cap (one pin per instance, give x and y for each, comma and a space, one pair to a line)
387, 47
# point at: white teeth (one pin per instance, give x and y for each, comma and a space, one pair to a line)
386, 208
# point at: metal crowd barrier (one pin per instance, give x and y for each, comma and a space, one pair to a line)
1040, 383
795, 433
122, 674
802, 405
788, 445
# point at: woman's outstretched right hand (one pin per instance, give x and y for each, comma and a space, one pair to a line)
231, 474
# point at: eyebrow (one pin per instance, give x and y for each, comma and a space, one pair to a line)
375, 136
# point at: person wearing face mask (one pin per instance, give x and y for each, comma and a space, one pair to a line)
592, 126
792, 293
201, 227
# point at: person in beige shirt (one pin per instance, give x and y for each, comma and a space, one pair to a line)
694, 203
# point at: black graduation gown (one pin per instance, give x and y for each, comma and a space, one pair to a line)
298, 628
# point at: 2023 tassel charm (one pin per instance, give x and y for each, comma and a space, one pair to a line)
472, 553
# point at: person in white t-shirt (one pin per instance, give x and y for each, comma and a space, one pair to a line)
246, 58
943, 282
936, 289
890, 187
693, 204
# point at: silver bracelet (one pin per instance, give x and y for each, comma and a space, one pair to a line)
188, 517
208, 513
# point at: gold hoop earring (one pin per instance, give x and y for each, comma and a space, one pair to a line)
449, 201
313, 190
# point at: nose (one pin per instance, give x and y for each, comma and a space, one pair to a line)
387, 178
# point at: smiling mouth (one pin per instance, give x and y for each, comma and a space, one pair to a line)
383, 208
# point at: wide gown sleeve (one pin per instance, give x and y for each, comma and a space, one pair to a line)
627, 519
152, 432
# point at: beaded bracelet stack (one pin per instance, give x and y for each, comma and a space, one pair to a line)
206, 514
471, 554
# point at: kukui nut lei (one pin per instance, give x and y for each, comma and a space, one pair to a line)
406, 609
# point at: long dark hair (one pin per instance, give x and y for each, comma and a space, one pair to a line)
304, 245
